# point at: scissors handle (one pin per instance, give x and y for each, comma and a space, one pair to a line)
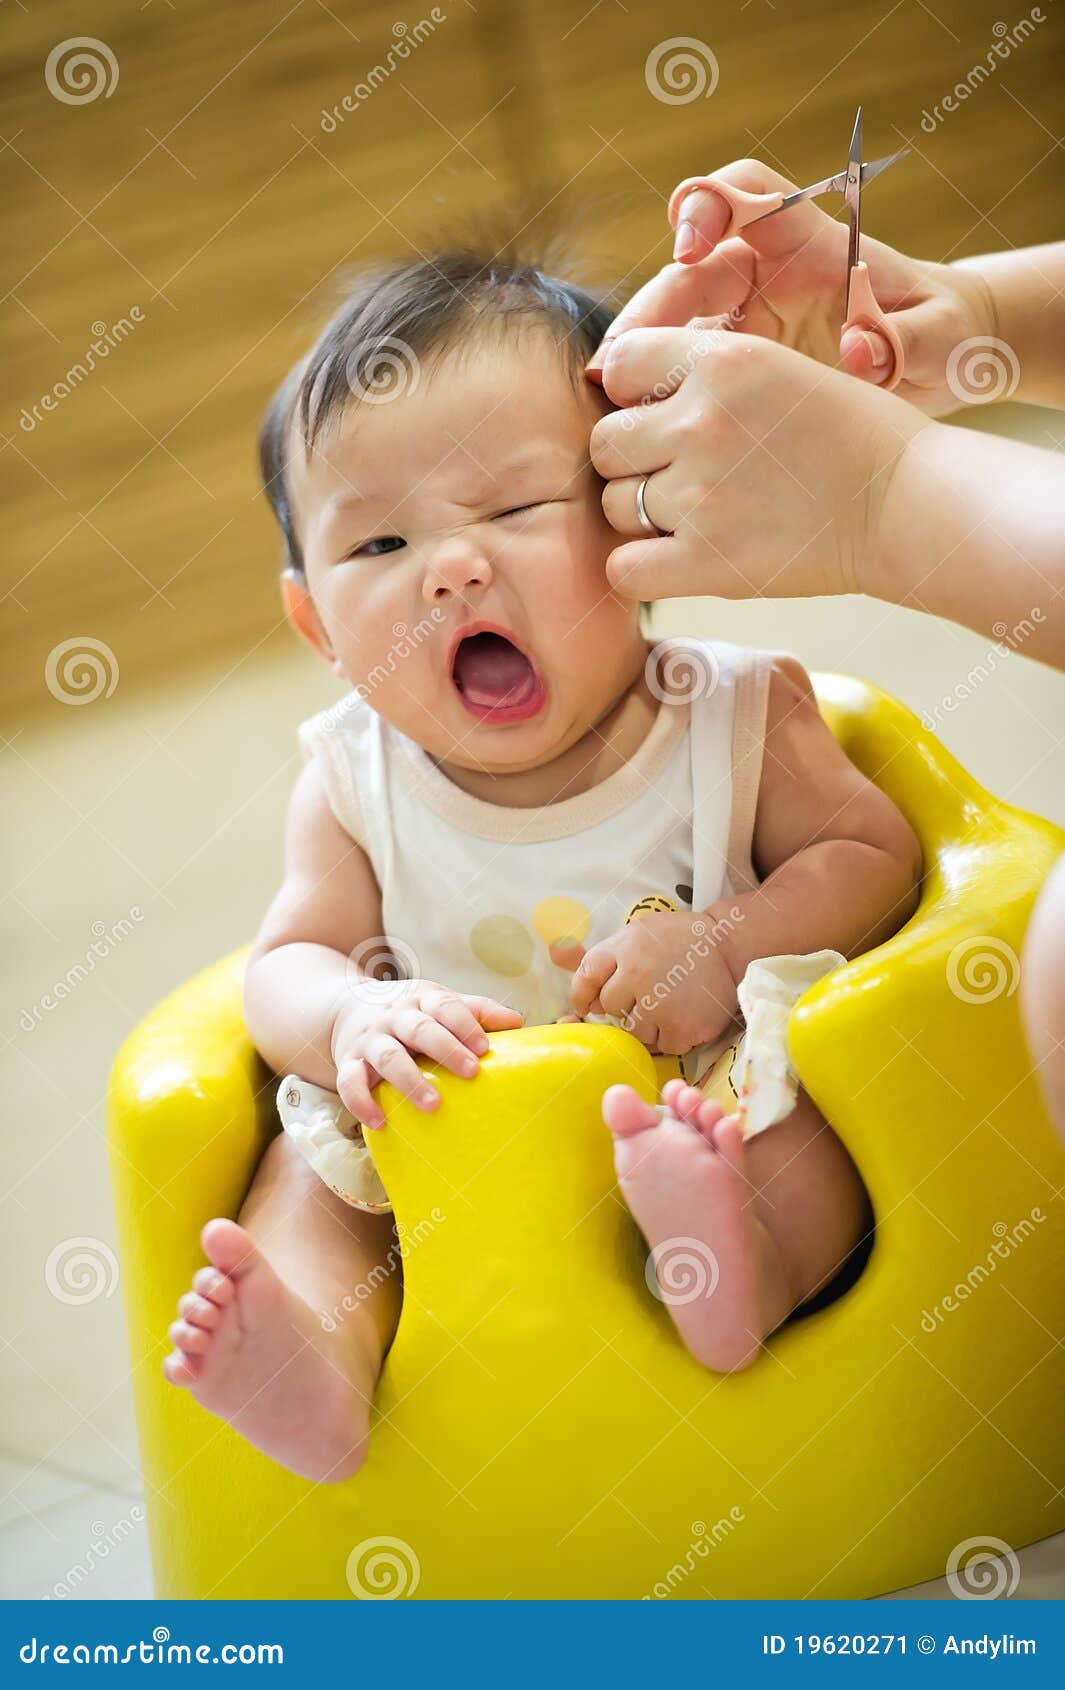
863, 312
743, 207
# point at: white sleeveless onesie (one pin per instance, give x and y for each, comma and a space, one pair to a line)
481, 897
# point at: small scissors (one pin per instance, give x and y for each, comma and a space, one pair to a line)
860, 310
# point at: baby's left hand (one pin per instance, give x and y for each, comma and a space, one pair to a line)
664, 978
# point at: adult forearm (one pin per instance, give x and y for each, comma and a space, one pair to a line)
972, 527
291, 997
1026, 289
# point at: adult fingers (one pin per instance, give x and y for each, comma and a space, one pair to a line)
632, 442
700, 215
588, 980
653, 362
666, 569
619, 505
680, 292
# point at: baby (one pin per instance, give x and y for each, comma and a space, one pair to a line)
531, 818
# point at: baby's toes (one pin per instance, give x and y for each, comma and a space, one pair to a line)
683, 1100
190, 1340
198, 1311
181, 1369
626, 1113
727, 1137
216, 1287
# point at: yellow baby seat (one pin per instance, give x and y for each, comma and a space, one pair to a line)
539, 1429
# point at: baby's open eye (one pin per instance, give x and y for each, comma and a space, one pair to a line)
377, 548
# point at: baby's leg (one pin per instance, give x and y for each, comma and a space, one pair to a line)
251, 1344
741, 1233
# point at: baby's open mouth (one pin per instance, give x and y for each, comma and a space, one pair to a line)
494, 680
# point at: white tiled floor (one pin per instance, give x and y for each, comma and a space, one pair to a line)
166, 812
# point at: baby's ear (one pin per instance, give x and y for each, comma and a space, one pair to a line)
302, 616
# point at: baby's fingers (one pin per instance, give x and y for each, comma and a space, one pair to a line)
420, 1030
590, 978
454, 1012
398, 1067
354, 1086
494, 1017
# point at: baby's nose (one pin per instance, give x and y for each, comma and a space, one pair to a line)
456, 566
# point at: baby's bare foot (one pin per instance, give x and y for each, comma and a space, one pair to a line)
681, 1172
252, 1352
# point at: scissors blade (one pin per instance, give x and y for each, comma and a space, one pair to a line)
852, 195
832, 185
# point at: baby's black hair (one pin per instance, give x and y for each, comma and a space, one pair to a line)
406, 312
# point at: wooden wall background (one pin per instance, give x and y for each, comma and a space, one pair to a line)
203, 190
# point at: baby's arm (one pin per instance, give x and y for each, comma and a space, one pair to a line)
840, 864
841, 868
329, 903
302, 1002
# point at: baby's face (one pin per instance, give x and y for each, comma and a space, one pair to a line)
455, 550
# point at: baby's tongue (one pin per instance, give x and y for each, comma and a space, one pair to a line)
489, 671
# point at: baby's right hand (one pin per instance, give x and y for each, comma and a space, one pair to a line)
377, 1038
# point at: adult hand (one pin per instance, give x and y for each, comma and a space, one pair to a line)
767, 472
783, 279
